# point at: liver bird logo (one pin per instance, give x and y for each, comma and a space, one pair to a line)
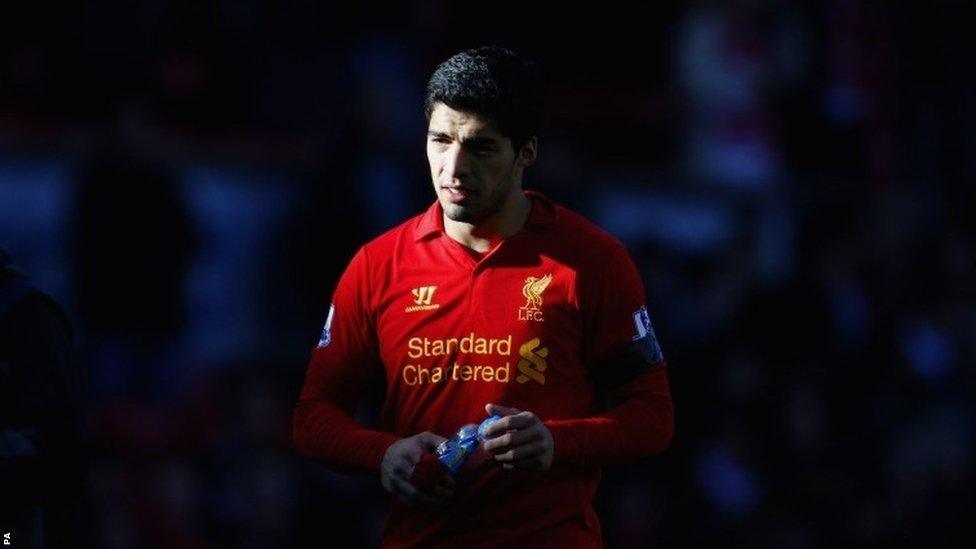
533, 288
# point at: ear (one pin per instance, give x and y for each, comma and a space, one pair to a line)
527, 154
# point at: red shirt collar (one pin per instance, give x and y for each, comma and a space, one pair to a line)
543, 215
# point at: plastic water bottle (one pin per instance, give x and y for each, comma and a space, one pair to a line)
454, 451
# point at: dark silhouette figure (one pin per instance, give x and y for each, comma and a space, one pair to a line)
42, 458
132, 246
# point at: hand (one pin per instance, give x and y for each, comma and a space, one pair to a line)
398, 465
520, 440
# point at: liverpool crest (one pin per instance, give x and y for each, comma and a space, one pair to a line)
532, 290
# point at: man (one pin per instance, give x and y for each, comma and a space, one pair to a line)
493, 301
41, 447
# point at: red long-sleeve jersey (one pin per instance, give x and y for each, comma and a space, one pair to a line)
537, 323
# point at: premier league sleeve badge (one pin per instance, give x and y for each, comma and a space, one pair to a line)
326, 337
649, 347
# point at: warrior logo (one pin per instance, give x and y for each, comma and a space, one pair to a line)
533, 362
422, 296
532, 290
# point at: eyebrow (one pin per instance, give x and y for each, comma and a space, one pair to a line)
473, 140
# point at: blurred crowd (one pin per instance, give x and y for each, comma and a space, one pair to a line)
188, 180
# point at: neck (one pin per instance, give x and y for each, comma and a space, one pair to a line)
485, 235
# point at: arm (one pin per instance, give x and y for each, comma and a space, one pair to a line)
326, 431
622, 347
42, 447
641, 423
343, 362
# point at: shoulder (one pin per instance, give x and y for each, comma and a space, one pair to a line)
601, 261
25, 309
592, 244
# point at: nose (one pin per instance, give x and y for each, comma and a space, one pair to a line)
456, 163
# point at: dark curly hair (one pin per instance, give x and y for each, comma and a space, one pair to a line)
493, 83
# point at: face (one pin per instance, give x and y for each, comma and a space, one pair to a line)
473, 166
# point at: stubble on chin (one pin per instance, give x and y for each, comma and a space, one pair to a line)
459, 213
487, 207
464, 214
473, 213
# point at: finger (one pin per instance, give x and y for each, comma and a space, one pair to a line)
415, 495
410, 493
412, 453
417, 451
520, 420
405, 464
429, 441
521, 453
497, 409
428, 472
402, 469
512, 440
532, 456
507, 423
403, 496
530, 463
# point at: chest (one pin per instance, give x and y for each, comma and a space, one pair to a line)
454, 333
513, 299
435, 315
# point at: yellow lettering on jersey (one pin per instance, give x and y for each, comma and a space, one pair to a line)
418, 375
416, 347
421, 346
502, 370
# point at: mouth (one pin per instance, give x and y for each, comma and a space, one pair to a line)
457, 194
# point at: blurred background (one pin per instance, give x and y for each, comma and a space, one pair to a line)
794, 181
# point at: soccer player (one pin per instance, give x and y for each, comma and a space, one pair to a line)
492, 301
